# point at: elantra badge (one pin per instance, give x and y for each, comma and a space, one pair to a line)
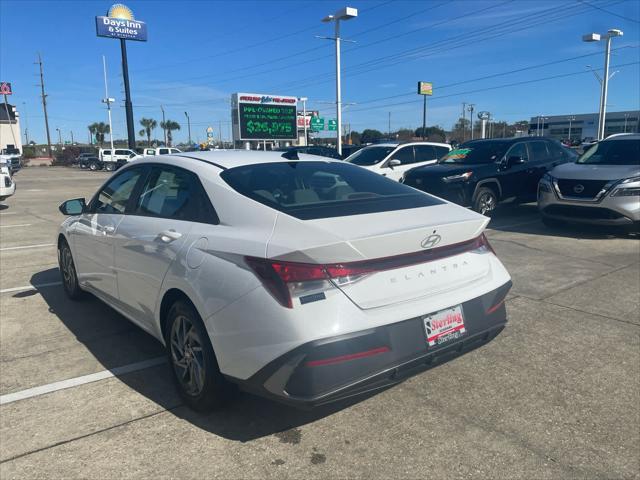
431, 241
578, 188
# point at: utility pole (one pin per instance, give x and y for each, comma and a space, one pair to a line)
220, 132
44, 107
464, 118
471, 108
188, 125
389, 129
162, 125
71, 136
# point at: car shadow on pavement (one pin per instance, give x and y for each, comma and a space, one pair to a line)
114, 341
526, 219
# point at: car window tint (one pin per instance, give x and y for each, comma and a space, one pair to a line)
539, 151
122, 152
519, 150
106, 152
177, 194
405, 155
311, 190
613, 152
113, 198
441, 151
556, 151
424, 153
163, 151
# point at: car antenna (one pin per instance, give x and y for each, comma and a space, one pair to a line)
291, 155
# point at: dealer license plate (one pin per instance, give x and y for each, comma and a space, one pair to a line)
444, 326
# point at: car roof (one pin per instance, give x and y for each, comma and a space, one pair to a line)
233, 158
403, 144
622, 136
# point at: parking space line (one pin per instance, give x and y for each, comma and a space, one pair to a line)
77, 381
22, 247
16, 225
29, 287
2, 214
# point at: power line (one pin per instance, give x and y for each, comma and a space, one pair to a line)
610, 12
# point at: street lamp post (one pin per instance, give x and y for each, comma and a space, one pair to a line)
304, 117
626, 116
188, 126
346, 13
596, 37
571, 119
108, 100
471, 108
543, 118
59, 137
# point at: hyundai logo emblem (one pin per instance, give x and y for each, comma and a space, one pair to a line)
431, 241
578, 188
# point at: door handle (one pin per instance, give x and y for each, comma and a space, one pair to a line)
168, 236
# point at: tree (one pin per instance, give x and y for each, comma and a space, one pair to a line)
100, 129
92, 131
435, 134
149, 125
170, 126
461, 130
404, 134
370, 136
355, 137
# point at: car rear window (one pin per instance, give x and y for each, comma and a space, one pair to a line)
370, 155
485, 152
311, 190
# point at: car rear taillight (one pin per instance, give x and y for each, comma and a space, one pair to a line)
289, 280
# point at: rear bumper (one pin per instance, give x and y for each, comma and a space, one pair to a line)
336, 368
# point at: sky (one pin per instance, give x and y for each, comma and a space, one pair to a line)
513, 58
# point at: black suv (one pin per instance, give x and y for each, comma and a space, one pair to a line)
481, 173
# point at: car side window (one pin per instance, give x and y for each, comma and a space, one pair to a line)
556, 151
405, 155
163, 151
424, 153
122, 152
113, 198
519, 150
106, 152
175, 193
441, 151
539, 151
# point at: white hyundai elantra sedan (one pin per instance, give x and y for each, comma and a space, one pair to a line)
306, 281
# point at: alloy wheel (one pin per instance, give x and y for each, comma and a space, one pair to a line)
487, 203
68, 268
187, 355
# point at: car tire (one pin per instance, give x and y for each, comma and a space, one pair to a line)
552, 222
93, 166
68, 272
109, 166
485, 201
193, 361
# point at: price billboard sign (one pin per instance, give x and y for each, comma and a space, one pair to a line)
425, 88
266, 117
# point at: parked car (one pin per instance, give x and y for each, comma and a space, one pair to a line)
114, 161
150, 152
482, 173
79, 158
13, 161
602, 187
393, 159
348, 150
318, 150
253, 273
7, 184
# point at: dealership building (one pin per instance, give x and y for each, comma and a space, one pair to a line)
10, 136
584, 125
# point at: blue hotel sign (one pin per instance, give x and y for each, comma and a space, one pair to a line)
119, 23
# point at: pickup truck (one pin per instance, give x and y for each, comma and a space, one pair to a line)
150, 152
112, 161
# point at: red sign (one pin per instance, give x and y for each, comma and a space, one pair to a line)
5, 88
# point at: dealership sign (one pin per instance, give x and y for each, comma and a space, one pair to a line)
5, 88
264, 117
425, 88
119, 23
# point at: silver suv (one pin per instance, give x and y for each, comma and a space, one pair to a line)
601, 188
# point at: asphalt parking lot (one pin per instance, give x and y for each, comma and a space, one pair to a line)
556, 395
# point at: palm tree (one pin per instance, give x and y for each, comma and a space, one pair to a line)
100, 129
169, 126
149, 125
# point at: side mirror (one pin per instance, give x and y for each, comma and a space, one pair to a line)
75, 206
394, 163
511, 161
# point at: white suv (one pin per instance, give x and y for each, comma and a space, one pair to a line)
393, 159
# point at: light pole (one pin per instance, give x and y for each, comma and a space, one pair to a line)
626, 116
471, 108
71, 136
163, 124
108, 100
543, 118
346, 13
571, 119
188, 126
596, 37
59, 137
304, 117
